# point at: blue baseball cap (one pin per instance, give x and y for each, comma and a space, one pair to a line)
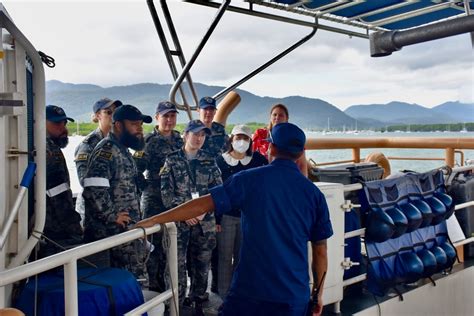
165, 107
129, 112
196, 126
56, 114
105, 103
207, 102
288, 137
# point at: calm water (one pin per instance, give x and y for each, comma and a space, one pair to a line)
332, 155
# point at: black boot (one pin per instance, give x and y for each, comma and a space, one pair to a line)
198, 309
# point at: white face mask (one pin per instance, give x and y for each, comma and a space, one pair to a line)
240, 146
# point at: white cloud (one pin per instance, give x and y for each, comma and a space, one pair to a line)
115, 43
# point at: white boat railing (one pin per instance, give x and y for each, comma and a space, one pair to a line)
361, 231
69, 258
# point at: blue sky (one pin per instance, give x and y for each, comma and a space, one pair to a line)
114, 43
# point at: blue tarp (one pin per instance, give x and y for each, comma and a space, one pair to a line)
106, 291
366, 7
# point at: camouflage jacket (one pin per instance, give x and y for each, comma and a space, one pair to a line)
110, 187
216, 143
150, 161
83, 152
180, 177
152, 158
62, 221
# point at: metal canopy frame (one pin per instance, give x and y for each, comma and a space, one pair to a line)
383, 41
185, 73
326, 11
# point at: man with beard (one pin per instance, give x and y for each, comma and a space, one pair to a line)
162, 141
111, 194
62, 221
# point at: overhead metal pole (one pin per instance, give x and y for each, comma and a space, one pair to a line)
467, 8
384, 43
223, 92
168, 52
198, 50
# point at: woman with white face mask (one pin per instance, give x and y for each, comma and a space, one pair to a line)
239, 157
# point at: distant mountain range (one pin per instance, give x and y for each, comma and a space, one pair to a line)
394, 113
77, 100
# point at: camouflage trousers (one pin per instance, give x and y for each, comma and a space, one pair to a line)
156, 264
131, 257
152, 205
200, 246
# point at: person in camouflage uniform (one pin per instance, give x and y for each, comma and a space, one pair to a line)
216, 143
103, 110
158, 144
111, 194
188, 173
62, 221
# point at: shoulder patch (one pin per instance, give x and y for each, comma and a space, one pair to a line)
138, 154
164, 169
107, 155
81, 157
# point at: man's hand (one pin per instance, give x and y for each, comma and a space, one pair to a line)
123, 219
316, 307
192, 221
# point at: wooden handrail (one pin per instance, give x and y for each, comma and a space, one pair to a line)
448, 144
392, 142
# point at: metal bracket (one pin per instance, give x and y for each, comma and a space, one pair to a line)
347, 263
348, 206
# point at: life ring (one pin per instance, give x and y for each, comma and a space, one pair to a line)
382, 161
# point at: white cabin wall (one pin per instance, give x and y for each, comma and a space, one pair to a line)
333, 290
13, 135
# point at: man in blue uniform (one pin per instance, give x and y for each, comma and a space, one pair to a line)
281, 212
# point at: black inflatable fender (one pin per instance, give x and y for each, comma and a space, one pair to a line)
441, 258
380, 227
438, 209
413, 215
399, 219
425, 210
408, 267
448, 203
429, 262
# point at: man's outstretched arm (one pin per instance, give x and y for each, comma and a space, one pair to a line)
188, 210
